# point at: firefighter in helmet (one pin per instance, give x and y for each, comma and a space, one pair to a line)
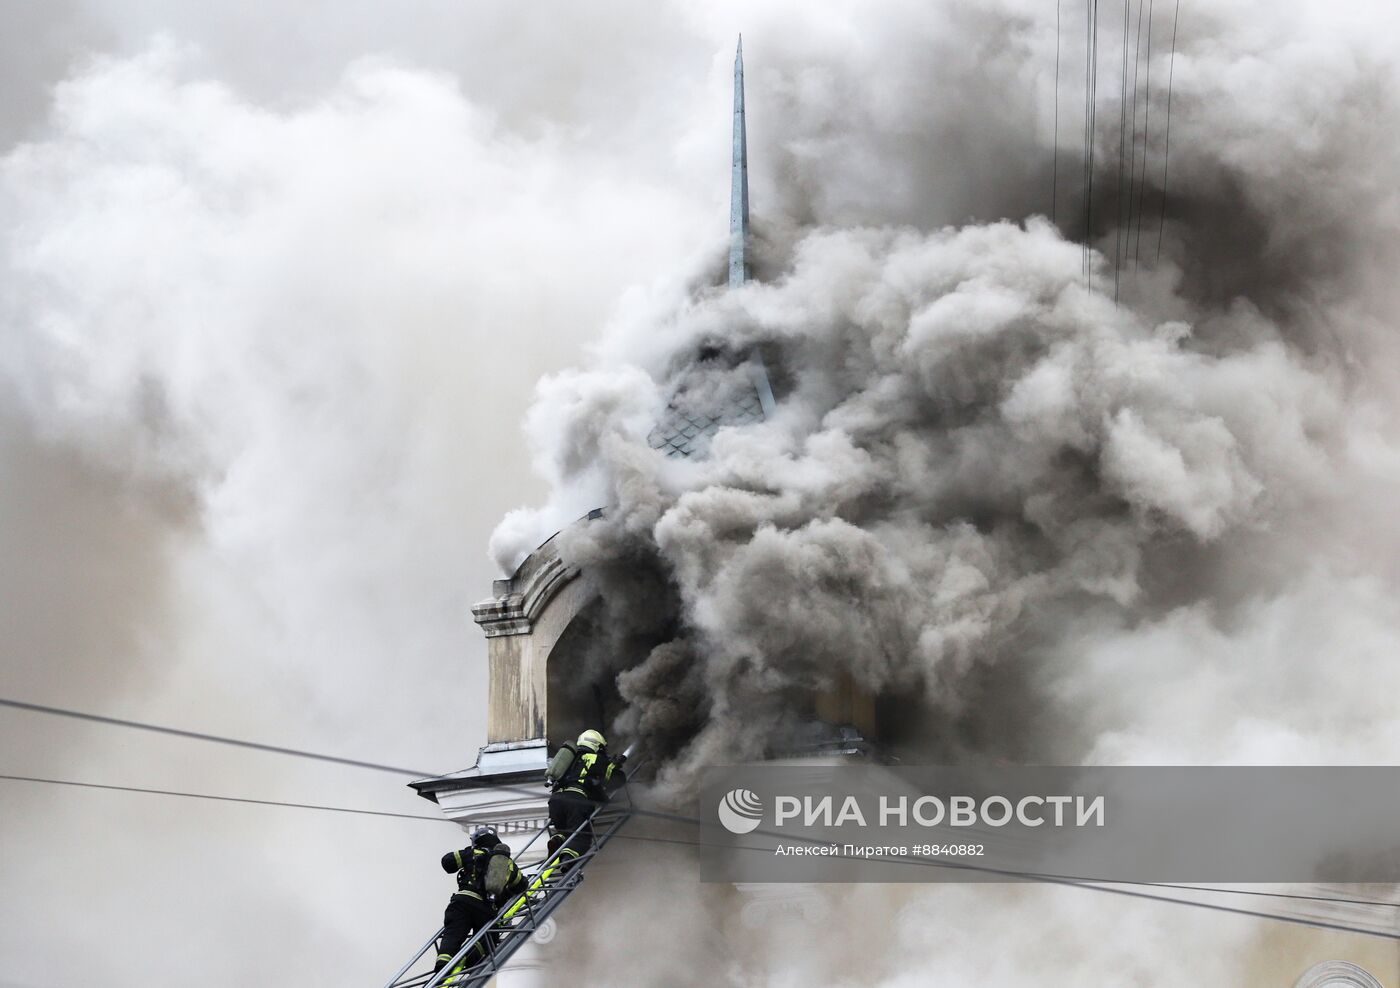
579, 785
487, 878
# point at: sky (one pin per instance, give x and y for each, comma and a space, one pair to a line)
278, 287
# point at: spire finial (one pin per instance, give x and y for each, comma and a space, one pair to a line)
739, 181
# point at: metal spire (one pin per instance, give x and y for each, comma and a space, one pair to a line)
739, 187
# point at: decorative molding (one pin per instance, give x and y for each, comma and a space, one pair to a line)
1337, 974
547, 931
520, 600
504, 789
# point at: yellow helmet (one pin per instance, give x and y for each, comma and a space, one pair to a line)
592, 740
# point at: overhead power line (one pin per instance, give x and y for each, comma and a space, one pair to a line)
1114, 889
1122, 155
1167, 136
676, 818
220, 799
1146, 134
213, 738
1091, 91
1069, 881
1133, 132
1054, 165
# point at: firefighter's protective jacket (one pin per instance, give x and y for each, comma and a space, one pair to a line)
593, 775
470, 865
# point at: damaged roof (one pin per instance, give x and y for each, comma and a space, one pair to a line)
709, 397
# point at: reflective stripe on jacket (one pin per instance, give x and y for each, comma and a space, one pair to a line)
587, 777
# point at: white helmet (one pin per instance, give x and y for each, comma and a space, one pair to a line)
592, 740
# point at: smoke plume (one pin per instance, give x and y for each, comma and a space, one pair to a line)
1124, 506
985, 473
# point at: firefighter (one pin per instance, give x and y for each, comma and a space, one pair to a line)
487, 878
587, 781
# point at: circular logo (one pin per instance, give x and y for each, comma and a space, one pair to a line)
740, 811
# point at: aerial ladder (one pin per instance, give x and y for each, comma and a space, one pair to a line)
547, 886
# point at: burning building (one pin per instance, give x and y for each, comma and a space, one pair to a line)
1056, 502
541, 621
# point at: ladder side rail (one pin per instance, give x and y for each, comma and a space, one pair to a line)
603, 836
417, 981
600, 838
553, 898
496, 964
541, 872
546, 866
414, 981
394, 981
537, 886
531, 842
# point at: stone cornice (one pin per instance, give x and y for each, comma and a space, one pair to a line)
518, 601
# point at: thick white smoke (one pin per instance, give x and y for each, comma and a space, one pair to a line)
259, 367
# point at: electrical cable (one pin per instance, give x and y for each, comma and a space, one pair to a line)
1146, 135
1055, 158
221, 799
1132, 147
1167, 138
904, 861
669, 818
213, 738
1067, 882
1122, 154
1091, 92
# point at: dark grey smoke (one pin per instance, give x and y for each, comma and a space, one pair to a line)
980, 467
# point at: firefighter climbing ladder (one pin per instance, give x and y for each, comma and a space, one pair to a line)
547, 886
